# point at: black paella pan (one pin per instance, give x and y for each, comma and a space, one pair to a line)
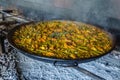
48, 59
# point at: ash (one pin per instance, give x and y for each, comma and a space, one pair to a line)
8, 67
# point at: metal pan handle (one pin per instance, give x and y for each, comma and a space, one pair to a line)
65, 64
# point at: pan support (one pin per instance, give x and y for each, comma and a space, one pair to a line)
78, 68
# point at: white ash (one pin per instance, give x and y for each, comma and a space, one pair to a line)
7, 67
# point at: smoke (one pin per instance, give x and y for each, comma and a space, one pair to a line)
95, 12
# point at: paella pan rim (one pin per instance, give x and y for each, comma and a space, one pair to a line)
38, 57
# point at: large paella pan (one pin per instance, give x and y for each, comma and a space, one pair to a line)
61, 40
